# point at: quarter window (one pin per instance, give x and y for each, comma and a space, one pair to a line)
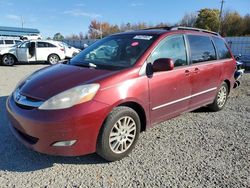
201, 48
45, 45
172, 47
222, 50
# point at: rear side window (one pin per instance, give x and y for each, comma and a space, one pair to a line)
1, 41
201, 48
9, 42
45, 45
222, 50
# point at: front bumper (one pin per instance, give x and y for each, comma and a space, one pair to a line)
40, 129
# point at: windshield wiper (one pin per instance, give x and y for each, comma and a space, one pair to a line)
89, 65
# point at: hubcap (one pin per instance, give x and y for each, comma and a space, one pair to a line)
122, 134
8, 60
53, 59
222, 96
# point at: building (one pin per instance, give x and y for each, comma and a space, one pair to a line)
17, 31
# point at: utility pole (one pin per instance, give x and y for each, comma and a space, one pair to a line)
22, 22
221, 10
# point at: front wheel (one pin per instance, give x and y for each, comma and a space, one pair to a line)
53, 59
118, 134
220, 99
8, 60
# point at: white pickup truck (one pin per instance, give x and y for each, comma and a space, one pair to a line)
33, 51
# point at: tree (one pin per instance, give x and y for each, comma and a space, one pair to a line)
81, 37
95, 30
58, 37
188, 20
246, 23
208, 19
232, 24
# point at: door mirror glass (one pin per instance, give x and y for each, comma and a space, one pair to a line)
163, 64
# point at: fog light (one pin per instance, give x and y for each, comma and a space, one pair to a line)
64, 143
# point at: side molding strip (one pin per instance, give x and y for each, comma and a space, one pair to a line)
185, 98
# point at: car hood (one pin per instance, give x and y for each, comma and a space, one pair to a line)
55, 79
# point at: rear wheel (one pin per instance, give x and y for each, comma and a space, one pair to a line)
8, 60
118, 134
220, 99
53, 59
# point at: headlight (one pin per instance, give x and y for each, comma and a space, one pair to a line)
71, 97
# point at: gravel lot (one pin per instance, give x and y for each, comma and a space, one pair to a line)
196, 149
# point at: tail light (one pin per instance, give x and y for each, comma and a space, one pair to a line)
62, 49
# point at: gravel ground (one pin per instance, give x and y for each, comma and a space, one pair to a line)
196, 149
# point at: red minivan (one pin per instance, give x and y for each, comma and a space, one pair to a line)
116, 88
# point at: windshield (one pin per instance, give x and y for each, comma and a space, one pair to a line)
114, 52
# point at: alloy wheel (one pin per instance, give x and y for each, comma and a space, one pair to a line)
122, 135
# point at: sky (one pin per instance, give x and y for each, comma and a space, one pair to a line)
74, 16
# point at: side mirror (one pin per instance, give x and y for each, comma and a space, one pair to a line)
163, 64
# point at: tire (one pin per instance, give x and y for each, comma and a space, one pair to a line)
53, 59
118, 134
220, 99
8, 60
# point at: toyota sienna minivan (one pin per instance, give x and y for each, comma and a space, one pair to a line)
100, 103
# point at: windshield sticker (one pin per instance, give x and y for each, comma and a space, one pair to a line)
143, 37
135, 44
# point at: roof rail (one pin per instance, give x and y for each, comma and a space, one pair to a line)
194, 29
160, 27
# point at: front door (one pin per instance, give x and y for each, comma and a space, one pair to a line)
170, 90
23, 52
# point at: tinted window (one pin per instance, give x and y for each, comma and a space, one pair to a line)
1, 41
222, 50
45, 45
201, 48
172, 47
9, 42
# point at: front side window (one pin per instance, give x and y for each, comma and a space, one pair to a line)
1, 41
114, 52
24, 45
222, 50
172, 47
201, 48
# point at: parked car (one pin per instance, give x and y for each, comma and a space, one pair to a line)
33, 51
31, 36
6, 43
70, 51
101, 105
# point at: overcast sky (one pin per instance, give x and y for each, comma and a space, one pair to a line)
74, 16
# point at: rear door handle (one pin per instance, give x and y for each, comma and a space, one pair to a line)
187, 72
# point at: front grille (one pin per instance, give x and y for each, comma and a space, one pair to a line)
30, 139
26, 102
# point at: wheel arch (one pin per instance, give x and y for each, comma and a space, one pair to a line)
228, 85
139, 110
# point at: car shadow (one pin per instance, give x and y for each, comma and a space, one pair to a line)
17, 158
